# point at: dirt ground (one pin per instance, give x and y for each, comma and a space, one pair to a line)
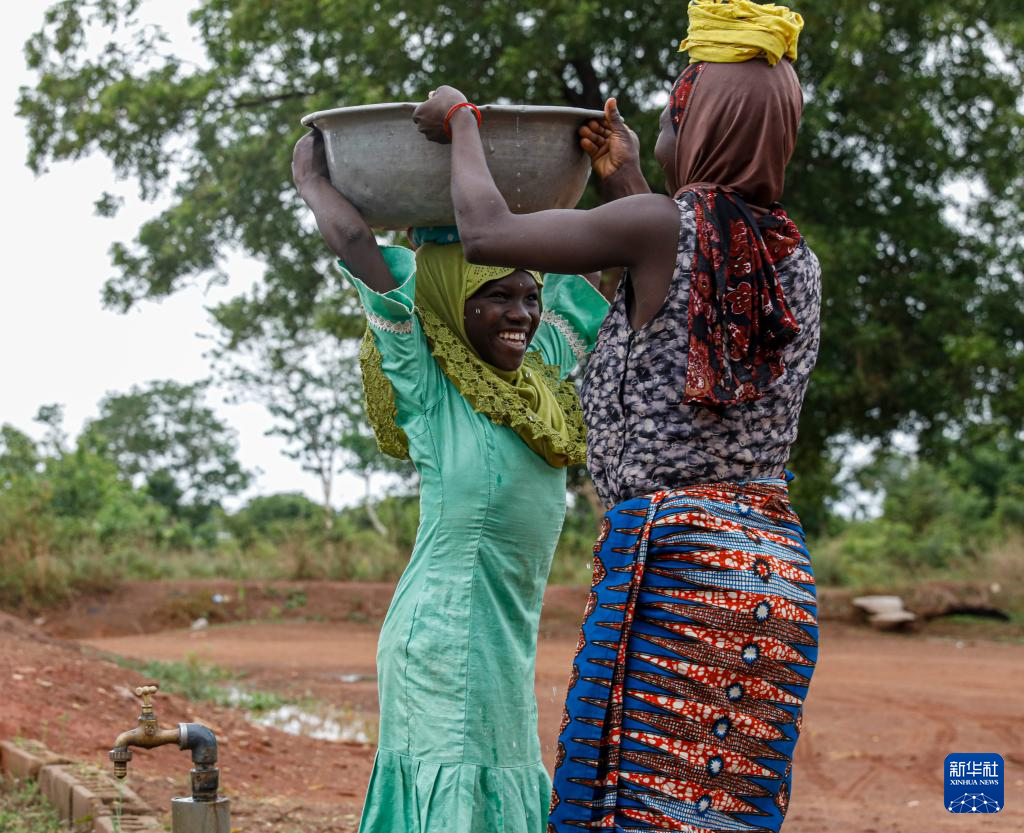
884, 710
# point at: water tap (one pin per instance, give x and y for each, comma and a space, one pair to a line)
148, 735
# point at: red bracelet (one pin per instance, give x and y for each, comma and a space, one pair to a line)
451, 112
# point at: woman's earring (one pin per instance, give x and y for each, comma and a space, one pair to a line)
477, 310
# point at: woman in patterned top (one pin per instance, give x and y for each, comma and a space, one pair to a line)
700, 634
465, 373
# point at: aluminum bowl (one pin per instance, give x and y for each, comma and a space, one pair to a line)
397, 179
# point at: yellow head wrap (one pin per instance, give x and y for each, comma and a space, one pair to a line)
724, 32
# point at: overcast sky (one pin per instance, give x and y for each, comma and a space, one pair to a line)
57, 343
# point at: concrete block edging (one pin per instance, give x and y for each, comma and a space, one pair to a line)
90, 800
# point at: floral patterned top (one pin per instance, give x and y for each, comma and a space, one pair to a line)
642, 435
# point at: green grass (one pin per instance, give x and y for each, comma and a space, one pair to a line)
968, 626
24, 810
203, 682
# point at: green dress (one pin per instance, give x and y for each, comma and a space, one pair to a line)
459, 751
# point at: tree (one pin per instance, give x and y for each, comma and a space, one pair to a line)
923, 327
165, 436
51, 417
309, 383
366, 459
274, 517
19, 456
59, 496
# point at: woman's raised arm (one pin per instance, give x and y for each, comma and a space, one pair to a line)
639, 232
341, 225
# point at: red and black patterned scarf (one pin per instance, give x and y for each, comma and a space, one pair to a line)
739, 321
681, 92
738, 317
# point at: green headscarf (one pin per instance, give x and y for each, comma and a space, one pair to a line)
532, 401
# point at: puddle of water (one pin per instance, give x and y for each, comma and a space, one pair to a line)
296, 721
323, 723
356, 678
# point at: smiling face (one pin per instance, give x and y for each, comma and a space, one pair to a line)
501, 319
665, 151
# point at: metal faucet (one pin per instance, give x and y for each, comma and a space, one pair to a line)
146, 735
205, 810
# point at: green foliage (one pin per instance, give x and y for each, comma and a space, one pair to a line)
142, 480
937, 520
199, 681
74, 501
24, 809
309, 382
19, 456
52, 418
164, 435
71, 518
572, 562
274, 517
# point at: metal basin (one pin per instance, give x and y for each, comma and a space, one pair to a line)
397, 179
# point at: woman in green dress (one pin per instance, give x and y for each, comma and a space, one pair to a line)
465, 369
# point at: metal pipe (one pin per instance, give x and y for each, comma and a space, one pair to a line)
204, 776
188, 816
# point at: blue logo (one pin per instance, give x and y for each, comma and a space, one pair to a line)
974, 783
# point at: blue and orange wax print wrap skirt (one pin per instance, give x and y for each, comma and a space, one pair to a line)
697, 646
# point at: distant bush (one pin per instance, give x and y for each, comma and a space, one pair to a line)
937, 521
573, 556
274, 518
72, 521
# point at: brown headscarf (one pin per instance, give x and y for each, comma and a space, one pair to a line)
736, 127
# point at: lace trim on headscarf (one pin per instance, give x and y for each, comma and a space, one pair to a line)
379, 395
484, 394
481, 391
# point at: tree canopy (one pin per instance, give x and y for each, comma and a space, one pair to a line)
908, 105
166, 437
310, 385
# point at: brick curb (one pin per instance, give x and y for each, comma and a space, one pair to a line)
88, 799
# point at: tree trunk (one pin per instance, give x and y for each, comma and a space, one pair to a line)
326, 486
589, 94
371, 512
